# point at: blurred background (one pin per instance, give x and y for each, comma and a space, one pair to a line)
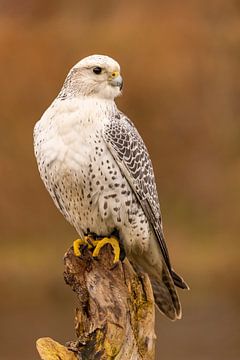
180, 63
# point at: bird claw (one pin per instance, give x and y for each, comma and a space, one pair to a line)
86, 241
115, 265
113, 242
90, 242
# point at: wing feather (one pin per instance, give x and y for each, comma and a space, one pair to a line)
131, 155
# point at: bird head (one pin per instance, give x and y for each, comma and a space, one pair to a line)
95, 75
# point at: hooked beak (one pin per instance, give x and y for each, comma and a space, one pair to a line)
116, 80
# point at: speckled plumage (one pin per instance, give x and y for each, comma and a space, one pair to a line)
98, 171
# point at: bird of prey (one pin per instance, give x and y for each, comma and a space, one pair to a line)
98, 172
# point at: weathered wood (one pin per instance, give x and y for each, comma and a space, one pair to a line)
115, 316
51, 350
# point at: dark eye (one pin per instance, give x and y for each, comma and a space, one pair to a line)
97, 70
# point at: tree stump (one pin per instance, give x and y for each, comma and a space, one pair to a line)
115, 317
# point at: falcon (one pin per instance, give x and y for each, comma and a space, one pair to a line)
98, 172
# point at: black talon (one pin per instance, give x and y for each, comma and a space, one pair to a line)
114, 265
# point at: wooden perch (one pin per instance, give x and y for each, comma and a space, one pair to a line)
115, 316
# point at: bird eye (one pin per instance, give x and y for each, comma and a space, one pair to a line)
97, 70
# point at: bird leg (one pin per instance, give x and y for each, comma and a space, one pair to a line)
98, 244
87, 241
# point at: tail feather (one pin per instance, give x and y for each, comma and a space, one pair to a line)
163, 284
166, 296
163, 299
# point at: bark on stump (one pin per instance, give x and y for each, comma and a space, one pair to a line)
115, 317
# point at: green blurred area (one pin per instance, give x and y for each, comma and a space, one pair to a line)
180, 62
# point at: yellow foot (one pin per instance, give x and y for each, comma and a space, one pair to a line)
112, 241
87, 240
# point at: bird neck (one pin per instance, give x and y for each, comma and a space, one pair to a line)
89, 105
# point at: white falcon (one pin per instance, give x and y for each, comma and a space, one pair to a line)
98, 172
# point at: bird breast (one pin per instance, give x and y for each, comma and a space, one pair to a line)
68, 132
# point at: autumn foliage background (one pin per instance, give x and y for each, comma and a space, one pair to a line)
180, 63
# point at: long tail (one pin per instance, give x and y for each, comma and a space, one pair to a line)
163, 283
166, 297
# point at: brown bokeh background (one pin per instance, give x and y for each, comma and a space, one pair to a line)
180, 63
